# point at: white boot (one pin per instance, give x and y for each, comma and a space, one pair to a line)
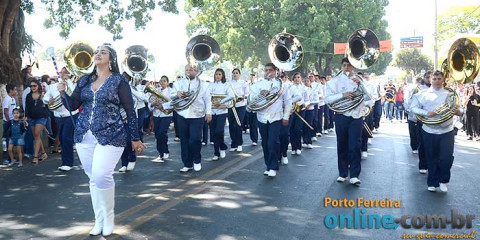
97, 229
130, 166
106, 198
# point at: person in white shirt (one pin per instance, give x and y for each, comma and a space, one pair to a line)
439, 139
241, 90
8, 104
348, 125
252, 117
162, 117
296, 124
413, 129
271, 118
219, 115
320, 80
66, 124
368, 120
285, 130
191, 119
312, 100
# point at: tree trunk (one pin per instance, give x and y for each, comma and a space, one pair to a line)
11, 13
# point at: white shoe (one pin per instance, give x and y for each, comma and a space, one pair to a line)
130, 166
415, 151
293, 152
266, 172
106, 202
443, 187
197, 167
204, 143
239, 149
98, 210
330, 130
223, 154
247, 131
166, 155
364, 155
272, 173
211, 143
304, 145
285, 160
65, 168
158, 159
254, 144
299, 151
341, 179
423, 171
123, 169
185, 169
215, 158
432, 189
325, 131
369, 141
354, 181
232, 149
176, 139
309, 146
314, 138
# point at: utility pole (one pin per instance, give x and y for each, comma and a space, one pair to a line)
435, 36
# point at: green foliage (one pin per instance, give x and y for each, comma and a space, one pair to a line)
244, 28
27, 6
412, 60
68, 14
459, 20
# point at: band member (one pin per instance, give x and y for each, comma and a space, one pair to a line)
318, 122
439, 139
308, 134
99, 134
66, 124
191, 119
252, 117
240, 89
329, 114
413, 124
161, 121
219, 114
297, 124
271, 118
348, 125
314, 86
368, 119
390, 94
377, 108
295, 97
422, 159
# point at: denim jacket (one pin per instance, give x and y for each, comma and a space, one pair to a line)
101, 110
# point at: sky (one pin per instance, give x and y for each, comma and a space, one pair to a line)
165, 36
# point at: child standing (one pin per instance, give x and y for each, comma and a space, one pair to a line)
14, 132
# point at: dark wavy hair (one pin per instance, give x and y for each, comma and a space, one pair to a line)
224, 79
39, 85
113, 61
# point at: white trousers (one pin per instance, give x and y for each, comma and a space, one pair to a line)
98, 161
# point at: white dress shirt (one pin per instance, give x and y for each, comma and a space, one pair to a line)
427, 101
202, 104
321, 94
156, 112
334, 92
300, 90
241, 90
280, 109
312, 98
53, 92
140, 96
221, 88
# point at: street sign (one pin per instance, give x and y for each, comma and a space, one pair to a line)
411, 42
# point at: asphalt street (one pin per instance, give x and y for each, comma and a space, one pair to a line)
232, 199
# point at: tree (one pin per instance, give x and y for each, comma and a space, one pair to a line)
244, 28
66, 14
459, 20
412, 60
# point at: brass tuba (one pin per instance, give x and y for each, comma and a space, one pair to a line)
463, 61
135, 62
79, 61
444, 111
202, 52
285, 52
157, 97
363, 50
